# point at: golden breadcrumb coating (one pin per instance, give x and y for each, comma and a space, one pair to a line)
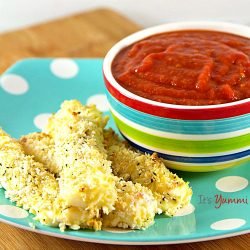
65, 175
170, 191
86, 177
30, 185
42, 147
135, 207
26, 181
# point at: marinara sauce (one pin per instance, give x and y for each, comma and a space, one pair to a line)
191, 67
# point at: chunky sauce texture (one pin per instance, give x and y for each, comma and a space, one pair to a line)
186, 67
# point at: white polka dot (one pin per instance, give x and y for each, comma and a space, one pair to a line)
41, 120
100, 100
13, 212
14, 84
64, 68
228, 224
231, 184
118, 230
189, 209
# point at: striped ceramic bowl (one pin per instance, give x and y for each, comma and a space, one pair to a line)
189, 138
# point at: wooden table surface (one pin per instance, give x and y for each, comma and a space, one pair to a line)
89, 34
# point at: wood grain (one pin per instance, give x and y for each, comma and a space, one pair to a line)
89, 34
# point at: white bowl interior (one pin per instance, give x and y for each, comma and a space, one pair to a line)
236, 29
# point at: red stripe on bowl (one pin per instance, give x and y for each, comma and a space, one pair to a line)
191, 113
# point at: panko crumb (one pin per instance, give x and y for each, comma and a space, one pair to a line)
32, 225
62, 227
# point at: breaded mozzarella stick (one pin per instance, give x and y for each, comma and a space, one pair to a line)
170, 191
85, 177
30, 185
135, 207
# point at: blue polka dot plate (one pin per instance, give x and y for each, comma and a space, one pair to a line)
32, 89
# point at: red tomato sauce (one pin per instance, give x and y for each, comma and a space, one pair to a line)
186, 67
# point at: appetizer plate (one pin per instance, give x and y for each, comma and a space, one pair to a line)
33, 89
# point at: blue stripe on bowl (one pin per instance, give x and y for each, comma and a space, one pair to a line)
185, 159
180, 126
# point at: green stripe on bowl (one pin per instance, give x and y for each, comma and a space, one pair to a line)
204, 168
184, 146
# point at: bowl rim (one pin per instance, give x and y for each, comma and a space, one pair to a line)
236, 29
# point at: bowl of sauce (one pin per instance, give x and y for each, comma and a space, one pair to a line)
183, 90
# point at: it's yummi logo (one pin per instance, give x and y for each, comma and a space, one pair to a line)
219, 200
